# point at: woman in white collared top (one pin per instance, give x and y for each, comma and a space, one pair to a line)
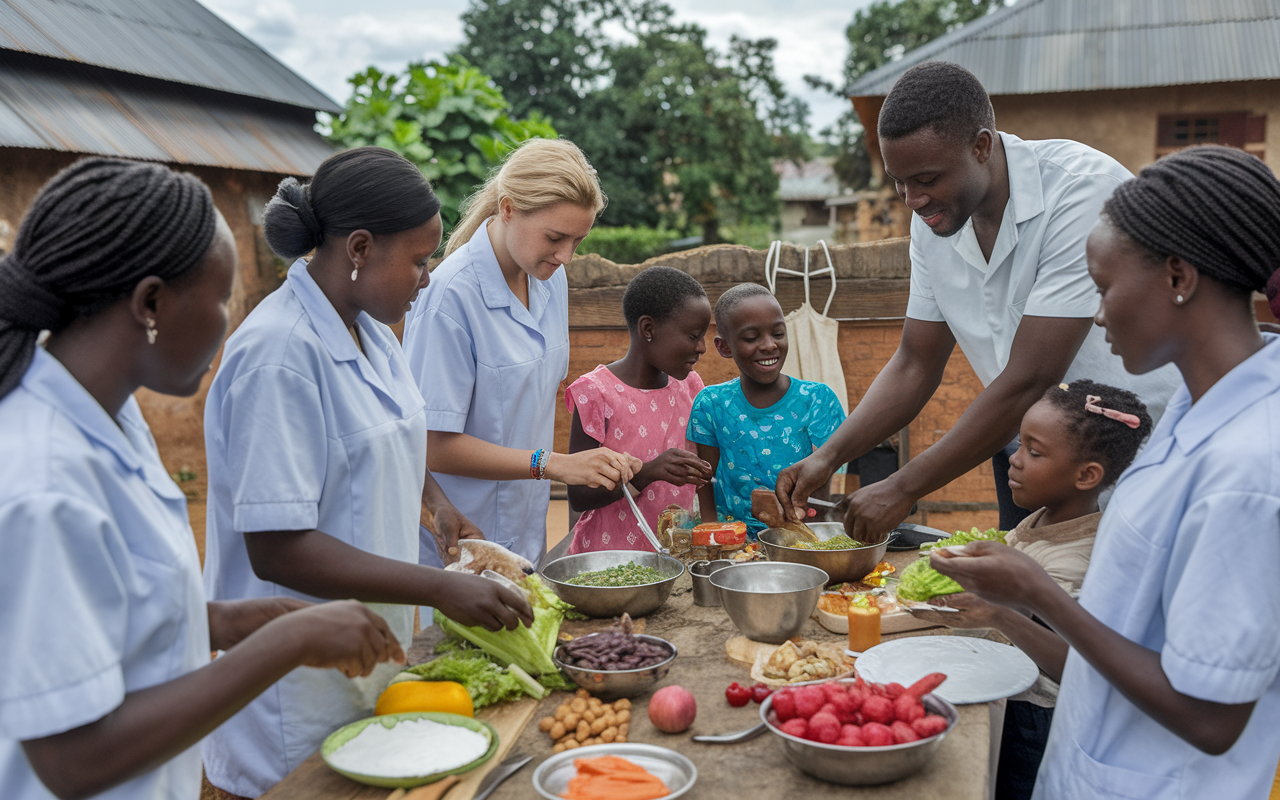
316, 440
488, 343
105, 680
1171, 687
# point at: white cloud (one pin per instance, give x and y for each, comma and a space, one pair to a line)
326, 41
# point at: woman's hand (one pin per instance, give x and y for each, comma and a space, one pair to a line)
800, 481
676, 466
448, 525
995, 572
473, 600
343, 635
599, 467
230, 621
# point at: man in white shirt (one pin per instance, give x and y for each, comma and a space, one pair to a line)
998, 267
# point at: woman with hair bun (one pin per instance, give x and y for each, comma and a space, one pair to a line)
1172, 684
489, 344
105, 680
316, 437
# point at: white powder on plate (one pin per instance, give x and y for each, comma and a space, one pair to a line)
413, 747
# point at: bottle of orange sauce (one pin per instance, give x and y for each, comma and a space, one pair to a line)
864, 623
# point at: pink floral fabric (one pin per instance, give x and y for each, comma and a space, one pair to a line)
641, 422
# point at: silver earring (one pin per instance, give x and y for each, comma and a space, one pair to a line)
151, 331
648, 338
1178, 300
353, 272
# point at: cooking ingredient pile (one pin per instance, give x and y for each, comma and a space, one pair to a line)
614, 648
528, 648
411, 748
858, 714
841, 542
629, 574
613, 778
921, 581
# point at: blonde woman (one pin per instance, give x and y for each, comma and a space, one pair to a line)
488, 342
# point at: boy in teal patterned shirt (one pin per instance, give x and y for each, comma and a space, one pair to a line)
761, 422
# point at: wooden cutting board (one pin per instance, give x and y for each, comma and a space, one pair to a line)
313, 780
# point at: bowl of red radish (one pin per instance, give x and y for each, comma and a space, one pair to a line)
866, 749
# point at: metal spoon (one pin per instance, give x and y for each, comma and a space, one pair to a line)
644, 526
732, 738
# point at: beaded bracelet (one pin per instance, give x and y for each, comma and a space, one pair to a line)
542, 465
533, 464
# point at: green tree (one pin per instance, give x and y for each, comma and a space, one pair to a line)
681, 134
446, 117
880, 33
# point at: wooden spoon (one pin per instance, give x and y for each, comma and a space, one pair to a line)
433, 791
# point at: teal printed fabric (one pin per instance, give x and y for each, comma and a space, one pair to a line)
758, 443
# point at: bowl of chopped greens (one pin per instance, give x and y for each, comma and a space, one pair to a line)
613, 582
834, 553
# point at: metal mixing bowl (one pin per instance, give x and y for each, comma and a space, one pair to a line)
842, 565
861, 766
769, 601
612, 601
613, 684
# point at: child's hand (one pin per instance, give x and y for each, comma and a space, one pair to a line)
974, 612
676, 466
597, 467
343, 635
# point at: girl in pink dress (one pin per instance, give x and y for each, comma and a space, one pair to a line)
640, 405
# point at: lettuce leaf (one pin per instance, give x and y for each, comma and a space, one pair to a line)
528, 648
921, 582
485, 681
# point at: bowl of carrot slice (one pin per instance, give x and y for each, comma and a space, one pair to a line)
628, 771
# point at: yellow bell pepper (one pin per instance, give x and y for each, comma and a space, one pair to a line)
447, 696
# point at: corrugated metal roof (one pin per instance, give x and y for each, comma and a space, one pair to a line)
810, 180
61, 105
1037, 46
175, 40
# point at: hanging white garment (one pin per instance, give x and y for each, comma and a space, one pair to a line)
814, 350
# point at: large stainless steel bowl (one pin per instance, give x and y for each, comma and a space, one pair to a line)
841, 565
861, 766
769, 601
613, 684
612, 601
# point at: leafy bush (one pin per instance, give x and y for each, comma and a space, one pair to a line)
448, 118
627, 245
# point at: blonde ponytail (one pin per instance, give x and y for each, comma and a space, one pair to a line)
537, 174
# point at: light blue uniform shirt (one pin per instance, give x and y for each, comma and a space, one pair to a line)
490, 368
99, 576
303, 432
1187, 563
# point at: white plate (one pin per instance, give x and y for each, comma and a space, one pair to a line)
977, 670
677, 772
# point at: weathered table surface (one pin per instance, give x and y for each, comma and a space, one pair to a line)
960, 771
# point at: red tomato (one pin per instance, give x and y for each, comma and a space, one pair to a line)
737, 695
759, 692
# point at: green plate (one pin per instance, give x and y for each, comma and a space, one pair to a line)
348, 732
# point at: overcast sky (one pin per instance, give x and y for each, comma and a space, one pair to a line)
329, 40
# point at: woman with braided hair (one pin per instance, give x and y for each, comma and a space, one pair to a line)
316, 437
1172, 684
105, 680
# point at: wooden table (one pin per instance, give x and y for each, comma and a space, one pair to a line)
962, 770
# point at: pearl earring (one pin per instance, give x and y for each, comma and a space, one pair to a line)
151, 331
1178, 300
354, 271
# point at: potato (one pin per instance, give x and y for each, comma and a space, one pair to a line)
624, 728
583, 731
595, 703
546, 723
558, 730
572, 720
578, 705
592, 741
557, 749
562, 711
589, 715
571, 745
583, 693
622, 704
610, 719
623, 716
597, 727
608, 735
620, 740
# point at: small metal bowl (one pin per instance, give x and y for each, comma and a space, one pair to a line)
612, 601
618, 683
842, 565
861, 766
552, 776
769, 601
